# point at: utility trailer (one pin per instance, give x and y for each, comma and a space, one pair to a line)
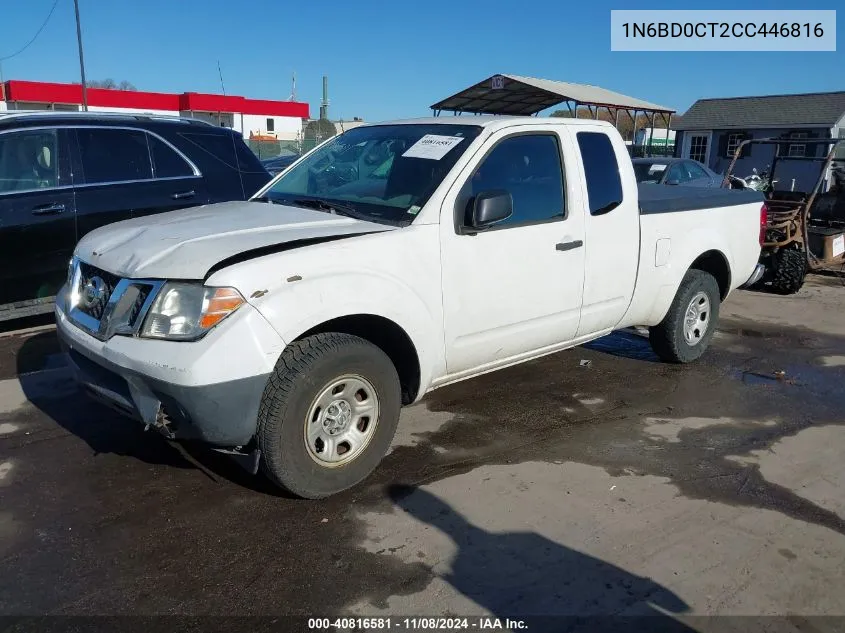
805, 231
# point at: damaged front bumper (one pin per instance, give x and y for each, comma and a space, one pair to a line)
208, 390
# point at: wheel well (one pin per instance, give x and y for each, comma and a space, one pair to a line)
714, 262
387, 336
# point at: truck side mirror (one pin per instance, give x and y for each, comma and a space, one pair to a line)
673, 181
491, 207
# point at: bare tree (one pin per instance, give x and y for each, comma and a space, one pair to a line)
110, 84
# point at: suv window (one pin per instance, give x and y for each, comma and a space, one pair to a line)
166, 162
212, 150
114, 155
28, 160
604, 186
528, 166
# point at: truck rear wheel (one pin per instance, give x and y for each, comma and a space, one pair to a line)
688, 327
328, 414
789, 267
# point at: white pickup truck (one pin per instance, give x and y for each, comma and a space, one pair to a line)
289, 330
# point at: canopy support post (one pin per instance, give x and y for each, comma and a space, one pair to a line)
651, 133
634, 135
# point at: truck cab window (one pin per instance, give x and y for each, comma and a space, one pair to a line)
528, 166
28, 160
604, 186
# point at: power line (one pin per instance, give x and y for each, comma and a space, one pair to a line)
34, 37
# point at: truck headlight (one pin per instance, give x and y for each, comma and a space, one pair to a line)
186, 311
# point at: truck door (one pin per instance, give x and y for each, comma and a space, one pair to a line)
514, 288
612, 231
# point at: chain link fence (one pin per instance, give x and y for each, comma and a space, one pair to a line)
271, 149
313, 133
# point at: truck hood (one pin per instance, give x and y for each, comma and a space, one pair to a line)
188, 243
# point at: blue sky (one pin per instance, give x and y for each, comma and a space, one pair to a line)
386, 59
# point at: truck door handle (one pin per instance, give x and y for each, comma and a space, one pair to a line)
568, 246
49, 209
183, 194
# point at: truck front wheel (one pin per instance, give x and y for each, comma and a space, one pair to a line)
688, 327
328, 414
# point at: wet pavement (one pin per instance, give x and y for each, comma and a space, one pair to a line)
553, 487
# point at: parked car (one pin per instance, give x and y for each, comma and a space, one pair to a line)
65, 174
675, 171
288, 331
279, 163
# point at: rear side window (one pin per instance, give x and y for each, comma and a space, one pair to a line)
247, 161
211, 149
114, 155
166, 162
528, 166
604, 186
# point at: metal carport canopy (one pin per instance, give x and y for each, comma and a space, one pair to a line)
516, 95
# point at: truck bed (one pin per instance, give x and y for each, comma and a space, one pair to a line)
671, 199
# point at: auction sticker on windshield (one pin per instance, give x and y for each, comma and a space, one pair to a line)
432, 146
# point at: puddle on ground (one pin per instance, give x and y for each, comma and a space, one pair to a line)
759, 378
818, 378
686, 423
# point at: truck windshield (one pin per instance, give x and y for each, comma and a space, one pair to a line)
382, 173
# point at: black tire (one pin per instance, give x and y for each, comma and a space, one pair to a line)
303, 370
789, 267
667, 338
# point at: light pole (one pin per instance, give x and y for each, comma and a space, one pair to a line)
81, 60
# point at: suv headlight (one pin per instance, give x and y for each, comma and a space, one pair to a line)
186, 311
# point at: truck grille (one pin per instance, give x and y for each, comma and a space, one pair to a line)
96, 287
143, 293
105, 304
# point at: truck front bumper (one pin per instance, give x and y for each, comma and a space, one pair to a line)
208, 389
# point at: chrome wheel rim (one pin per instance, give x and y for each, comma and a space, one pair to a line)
697, 318
341, 420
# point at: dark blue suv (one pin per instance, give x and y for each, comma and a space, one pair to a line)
65, 174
